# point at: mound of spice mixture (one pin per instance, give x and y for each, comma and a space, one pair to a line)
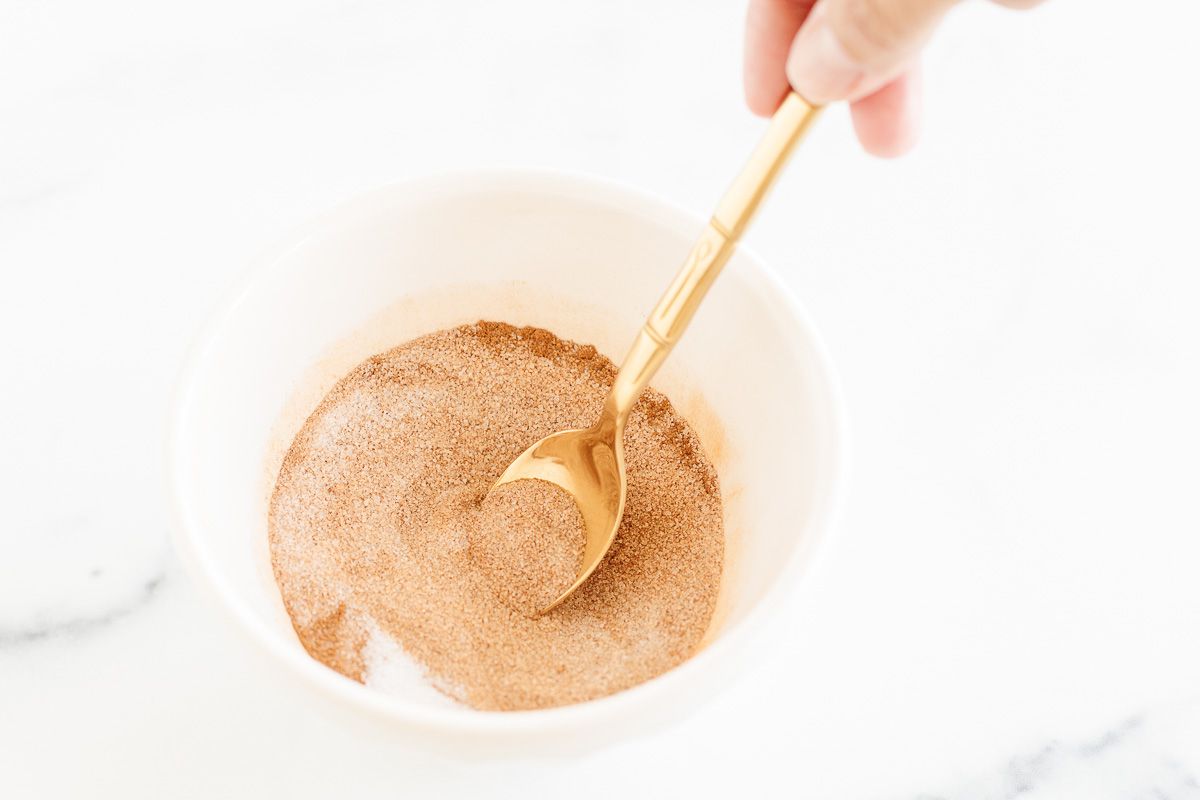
388, 557
529, 542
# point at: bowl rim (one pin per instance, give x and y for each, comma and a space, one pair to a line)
188, 536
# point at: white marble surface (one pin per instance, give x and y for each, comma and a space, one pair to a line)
1011, 604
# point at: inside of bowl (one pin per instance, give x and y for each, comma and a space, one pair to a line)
584, 261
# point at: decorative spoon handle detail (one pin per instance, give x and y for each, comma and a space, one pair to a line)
678, 305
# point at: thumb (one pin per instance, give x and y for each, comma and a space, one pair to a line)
847, 49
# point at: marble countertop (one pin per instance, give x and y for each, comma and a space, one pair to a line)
1011, 604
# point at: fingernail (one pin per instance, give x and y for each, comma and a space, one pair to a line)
818, 66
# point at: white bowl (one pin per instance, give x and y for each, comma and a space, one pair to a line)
583, 258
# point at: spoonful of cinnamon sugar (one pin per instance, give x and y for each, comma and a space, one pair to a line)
529, 544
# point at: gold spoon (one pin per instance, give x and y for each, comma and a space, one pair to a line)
589, 464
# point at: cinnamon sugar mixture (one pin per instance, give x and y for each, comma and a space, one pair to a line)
385, 549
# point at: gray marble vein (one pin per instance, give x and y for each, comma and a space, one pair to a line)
1134, 760
40, 630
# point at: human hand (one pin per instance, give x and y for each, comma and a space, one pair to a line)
863, 51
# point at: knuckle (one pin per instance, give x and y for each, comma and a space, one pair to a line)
872, 30
877, 24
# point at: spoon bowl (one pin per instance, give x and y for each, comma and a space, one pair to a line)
589, 465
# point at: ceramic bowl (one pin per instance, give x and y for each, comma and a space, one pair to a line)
583, 258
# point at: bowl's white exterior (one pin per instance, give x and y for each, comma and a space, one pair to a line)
497, 245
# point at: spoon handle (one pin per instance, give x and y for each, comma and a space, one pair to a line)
678, 304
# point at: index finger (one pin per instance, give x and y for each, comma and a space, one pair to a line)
771, 25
